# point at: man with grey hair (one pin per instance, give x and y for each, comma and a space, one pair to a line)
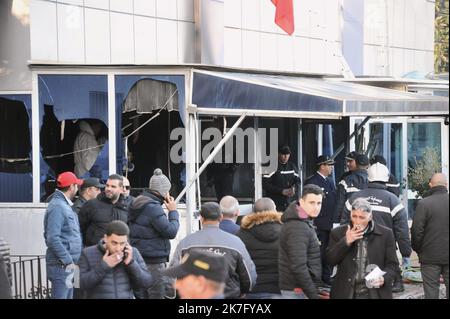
352, 247
430, 234
229, 206
387, 211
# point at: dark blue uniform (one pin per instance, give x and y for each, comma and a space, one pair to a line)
286, 176
324, 222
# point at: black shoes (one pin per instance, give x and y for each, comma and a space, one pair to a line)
398, 286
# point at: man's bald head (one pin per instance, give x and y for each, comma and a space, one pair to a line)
265, 204
438, 179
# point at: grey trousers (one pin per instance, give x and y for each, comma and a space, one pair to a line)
430, 276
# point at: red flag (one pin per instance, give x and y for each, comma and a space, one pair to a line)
284, 15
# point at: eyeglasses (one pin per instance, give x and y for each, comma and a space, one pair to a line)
127, 187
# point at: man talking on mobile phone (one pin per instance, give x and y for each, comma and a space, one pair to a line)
113, 269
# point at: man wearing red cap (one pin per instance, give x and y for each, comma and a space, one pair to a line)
62, 236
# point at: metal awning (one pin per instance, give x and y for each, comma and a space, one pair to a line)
281, 95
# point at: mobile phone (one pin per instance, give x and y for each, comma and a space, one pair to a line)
125, 253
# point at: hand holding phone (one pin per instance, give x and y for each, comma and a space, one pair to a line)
127, 254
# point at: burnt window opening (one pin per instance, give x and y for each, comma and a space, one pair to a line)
57, 140
149, 147
15, 142
229, 177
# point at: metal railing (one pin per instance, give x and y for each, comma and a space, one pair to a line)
29, 278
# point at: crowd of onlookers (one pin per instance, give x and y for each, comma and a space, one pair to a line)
321, 241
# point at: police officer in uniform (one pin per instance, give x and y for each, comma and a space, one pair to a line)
282, 184
327, 216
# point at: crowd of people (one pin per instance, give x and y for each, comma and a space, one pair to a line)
322, 241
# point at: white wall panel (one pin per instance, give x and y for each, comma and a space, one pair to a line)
317, 19
410, 24
70, 33
166, 41
76, 2
100, 4
302, 17
419, 60
397, 65
186, 42
332, 20
374, 22
317, 54
409, 65
122, 43
429, 26
43, 31
166, 9
145, 7
145, 40
98, 48
267, 17
250, 49
250, 14
125, 6
370, 60
185, 10
398, 38
233, 47
302, 54
285, 52
333, 65
233, 13
269, 54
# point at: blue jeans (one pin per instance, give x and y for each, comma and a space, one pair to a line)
290, 294
58, 277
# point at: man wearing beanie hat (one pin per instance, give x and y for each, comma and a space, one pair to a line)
387, 211
151, 230
241, 272
352, 183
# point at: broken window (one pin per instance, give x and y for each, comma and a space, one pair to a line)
73, 112
151, 107
15, 148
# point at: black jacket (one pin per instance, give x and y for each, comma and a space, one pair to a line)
260, 233
328, 214
430, 229
151, 229
387, 211
99, 281
96, 214
393, 185
380, 251
284, 177
350, 184
78, 203
299, 261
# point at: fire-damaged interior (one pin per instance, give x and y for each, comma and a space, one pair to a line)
57, 140
15, 148
71, 106
15, 141
150, 113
